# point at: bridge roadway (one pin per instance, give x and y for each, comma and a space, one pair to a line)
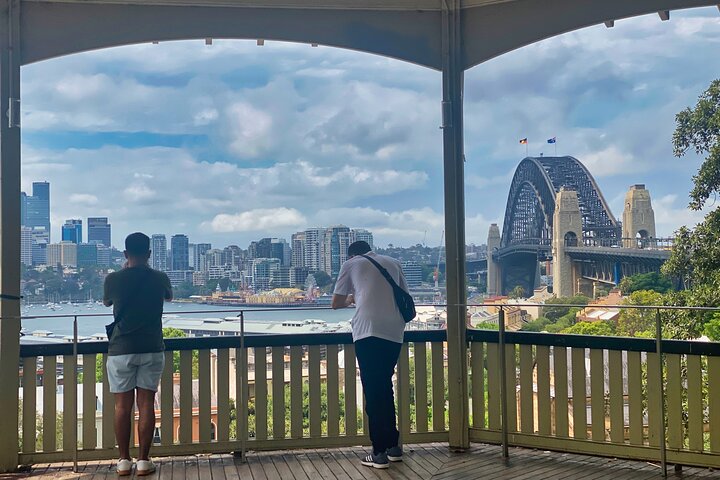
590, 253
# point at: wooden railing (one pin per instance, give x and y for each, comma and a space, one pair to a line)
598, 395
620, 397
316, 404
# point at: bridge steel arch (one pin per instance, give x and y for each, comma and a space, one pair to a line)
531, 201
446, 35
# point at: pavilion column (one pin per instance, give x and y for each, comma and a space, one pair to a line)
9, 231
453, 159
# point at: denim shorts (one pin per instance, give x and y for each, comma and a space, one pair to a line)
135, 370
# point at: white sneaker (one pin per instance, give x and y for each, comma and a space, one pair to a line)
144, 467
124, 467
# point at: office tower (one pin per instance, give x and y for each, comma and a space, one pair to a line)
26, 244
264, 270
35, 209
63, 253
362, 235
191, 257
103, 255
200, 250
179, 252
39, 253
234, 257
412, 272
40, 240
334, 249
99, 231
72, 231
87, 254
158, 257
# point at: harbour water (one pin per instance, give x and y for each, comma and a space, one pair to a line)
91, 320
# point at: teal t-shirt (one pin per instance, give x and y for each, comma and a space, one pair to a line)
137, 294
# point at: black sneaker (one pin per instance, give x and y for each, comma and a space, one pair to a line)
376, 461
394, 454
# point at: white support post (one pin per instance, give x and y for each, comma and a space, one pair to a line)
9, 231
453, 161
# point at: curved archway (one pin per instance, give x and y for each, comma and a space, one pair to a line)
531, 201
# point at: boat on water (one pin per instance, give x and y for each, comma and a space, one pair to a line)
231, 326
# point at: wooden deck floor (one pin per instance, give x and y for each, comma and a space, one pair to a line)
431, 461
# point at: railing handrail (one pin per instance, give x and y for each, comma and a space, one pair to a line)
227, 341
247, 309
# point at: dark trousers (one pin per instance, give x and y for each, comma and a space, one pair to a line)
377, 359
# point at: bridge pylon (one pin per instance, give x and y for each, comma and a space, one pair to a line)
638, 221
494, 275
567, 231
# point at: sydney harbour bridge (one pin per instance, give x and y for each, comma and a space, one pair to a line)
556, 219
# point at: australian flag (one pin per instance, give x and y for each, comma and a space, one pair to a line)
551, 140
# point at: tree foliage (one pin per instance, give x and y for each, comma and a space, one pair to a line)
517, 292
645, 281
695, 257
591, 328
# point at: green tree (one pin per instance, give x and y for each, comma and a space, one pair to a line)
712, 328
645, 281
695, 257
554, 313
517, 292
184, 290
636, 322
322, 279
177, 333
591, 328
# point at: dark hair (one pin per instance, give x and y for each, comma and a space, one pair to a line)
137, 244
358, 248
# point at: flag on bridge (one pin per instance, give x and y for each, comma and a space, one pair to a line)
523, 141
552, 140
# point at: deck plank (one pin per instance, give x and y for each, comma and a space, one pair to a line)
431, 461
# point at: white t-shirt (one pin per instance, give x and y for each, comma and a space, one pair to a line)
376, 313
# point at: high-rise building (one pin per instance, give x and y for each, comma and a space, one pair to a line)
39, 253
412, 272
200, 250
192, 257
334, 249
179, 252
158, 247
264, 270
40, 241
63, 253
87, 254
26, 244
104, 255
297, 241
362, 235
35, 209
314, 237
99, 231
72, 231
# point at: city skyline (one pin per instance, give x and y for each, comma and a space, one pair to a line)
229, 142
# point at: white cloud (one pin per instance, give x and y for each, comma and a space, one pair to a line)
260, 220
139, 193
83, 199
249, 130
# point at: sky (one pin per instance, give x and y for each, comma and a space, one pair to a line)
232, 142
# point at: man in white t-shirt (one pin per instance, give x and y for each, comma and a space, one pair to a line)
378, 329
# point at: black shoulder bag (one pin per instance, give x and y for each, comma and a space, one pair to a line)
110, 328
403, 299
